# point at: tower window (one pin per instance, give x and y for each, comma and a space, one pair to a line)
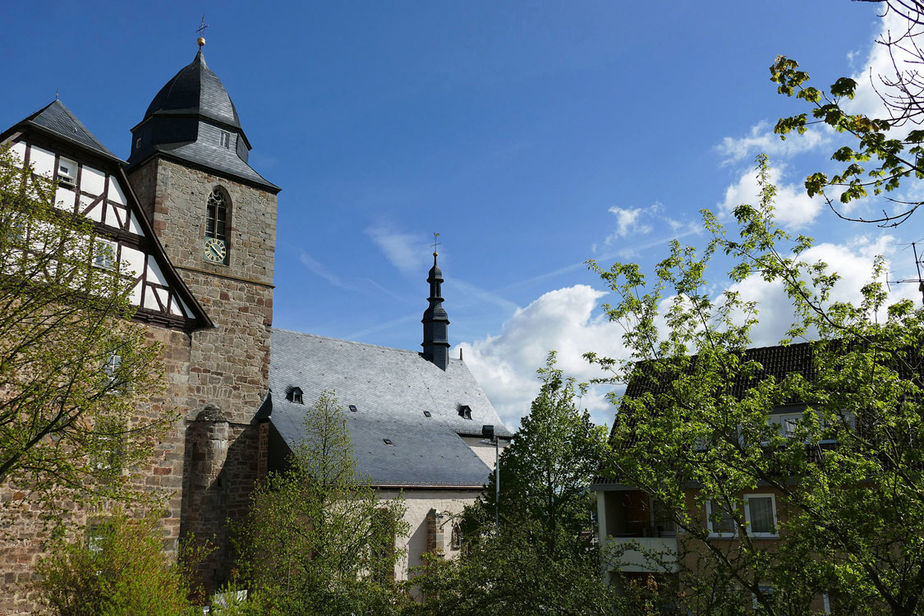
216, 223
465, 411
225, 139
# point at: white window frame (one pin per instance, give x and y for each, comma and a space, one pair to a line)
712, 533
747, 516
105, 255
67, 172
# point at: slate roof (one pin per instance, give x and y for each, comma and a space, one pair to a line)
56, 118
391, 389
195, 89
777, 361
183, 122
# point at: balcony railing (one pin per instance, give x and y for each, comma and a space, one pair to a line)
641, 554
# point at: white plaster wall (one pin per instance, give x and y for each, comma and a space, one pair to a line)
419, 502
485, 451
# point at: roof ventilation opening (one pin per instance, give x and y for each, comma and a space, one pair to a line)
465, 411
388, 441
352, 408
294, 394
427, 414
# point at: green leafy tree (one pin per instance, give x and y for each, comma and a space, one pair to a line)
884, 151
118, 569
695, 430
76, 374
317, 540
541, 558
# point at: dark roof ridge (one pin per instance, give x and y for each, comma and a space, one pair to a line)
354, 342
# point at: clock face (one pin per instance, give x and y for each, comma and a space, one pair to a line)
215, 250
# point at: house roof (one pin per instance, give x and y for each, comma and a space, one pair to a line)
390, 389
56, 118
776, 361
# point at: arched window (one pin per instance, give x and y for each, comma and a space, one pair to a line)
216, 225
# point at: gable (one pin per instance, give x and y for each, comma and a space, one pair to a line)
94, 185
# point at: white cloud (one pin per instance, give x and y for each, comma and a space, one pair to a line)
627, 221
560, 320
406, 251
564, 320
793, 208
762, 139
853, 261
879, 62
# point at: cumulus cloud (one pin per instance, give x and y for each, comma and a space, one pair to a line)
568, 320
792, 207
762, 139
562, 320
406, 251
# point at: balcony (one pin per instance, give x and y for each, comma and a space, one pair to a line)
641, 554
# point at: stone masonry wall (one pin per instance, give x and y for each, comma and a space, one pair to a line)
23, 535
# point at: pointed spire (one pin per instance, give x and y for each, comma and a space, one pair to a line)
436, 321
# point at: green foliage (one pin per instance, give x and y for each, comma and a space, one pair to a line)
74, 370
509, 573
551, 460
886, 153
117, 568
317, 540
850, 492
540, 559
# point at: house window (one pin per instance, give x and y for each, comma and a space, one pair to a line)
216, 227
104, 254
111, 370
465, 411
760, 515
225, 139
455, 539
67, 172
720, 520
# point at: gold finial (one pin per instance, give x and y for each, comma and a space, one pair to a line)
201, 30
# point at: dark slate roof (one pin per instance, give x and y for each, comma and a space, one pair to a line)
391, 388
184, 122
222, 160
58, 119
776, 361
195, 90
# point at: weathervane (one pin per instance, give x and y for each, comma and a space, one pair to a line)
201, 31
436, 243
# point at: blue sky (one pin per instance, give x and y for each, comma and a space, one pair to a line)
531, 135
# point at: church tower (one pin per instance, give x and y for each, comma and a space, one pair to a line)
216, 219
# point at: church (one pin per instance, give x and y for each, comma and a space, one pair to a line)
196, 224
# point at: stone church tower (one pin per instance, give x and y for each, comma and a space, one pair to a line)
216, 219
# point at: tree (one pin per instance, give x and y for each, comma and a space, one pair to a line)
76, 374
894, 142
120, 569
548, 467
317, 540
541, 558
848, 478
